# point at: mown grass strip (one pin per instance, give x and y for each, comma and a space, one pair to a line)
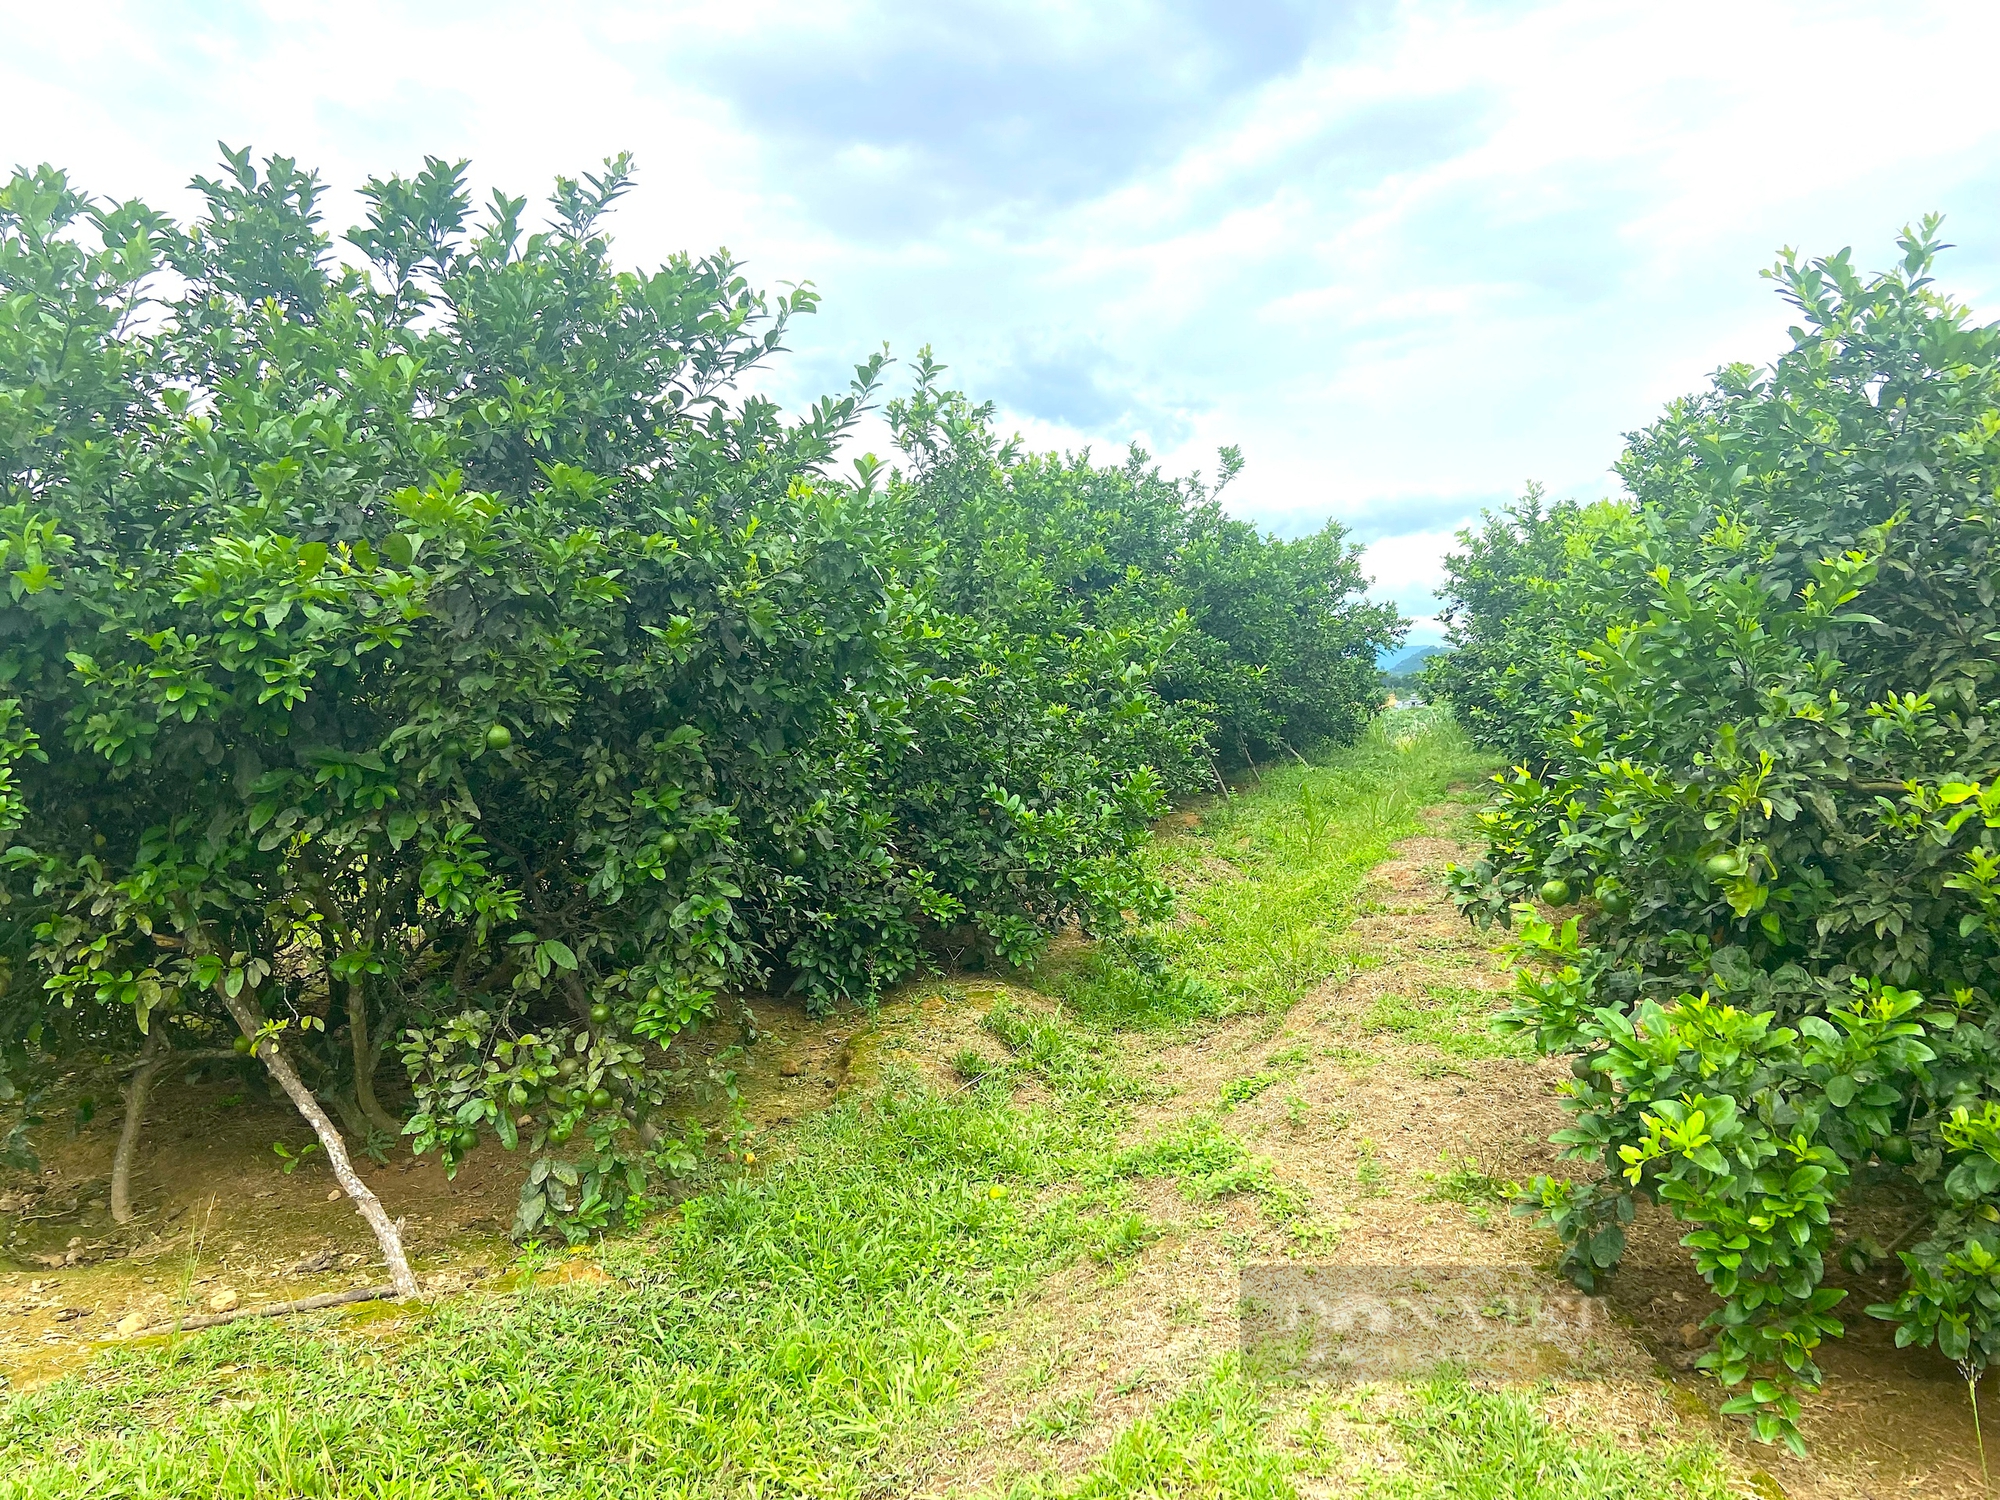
777, 1337
1265, 882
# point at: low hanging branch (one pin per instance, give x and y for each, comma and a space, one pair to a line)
275, 1309
388, 1233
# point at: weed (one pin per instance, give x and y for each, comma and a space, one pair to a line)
1060, 1419
1068, 1062
1243, 1090
1368, 1171
973, 1065
1122, 1238
1140, 1379
1209, 1440
1038, 1372
289, 1160
1466, 1183
1453, 1019
1128, 984
1436, 1067
1458, 1440
1207, 1163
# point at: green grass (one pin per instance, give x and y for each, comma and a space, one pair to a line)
1455, 1020
1220, 1440
1209, 1441
1243, 1090
1470, 1444
805, 1330
1207, 1163
1265, 882
1128, 984
782, 1335
1466, 1182
1071, 1063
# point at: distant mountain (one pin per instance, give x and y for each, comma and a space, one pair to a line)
1413, 660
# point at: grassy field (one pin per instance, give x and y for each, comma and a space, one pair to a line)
824, 1324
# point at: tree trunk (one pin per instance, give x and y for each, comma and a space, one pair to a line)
156, 1057
349, 1112
138, 1090
388, 1234
365, 1060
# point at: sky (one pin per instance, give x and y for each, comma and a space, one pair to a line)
1407, 256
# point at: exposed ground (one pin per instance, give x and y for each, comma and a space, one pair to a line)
995, 1242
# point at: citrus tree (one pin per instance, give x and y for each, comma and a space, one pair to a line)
1506, 624
1262, 646
1767, 770
444, 653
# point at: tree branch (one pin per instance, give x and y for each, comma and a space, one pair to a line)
388, 1234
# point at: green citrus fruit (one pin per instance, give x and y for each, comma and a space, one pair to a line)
567, 1067
499, 737
599, 1013
1721, 867
600, 1098
1897, 1150
796, 858
1556, 892
559, 1133
668, 843
655, 995
242, 1044
1615, 902
1580, 1066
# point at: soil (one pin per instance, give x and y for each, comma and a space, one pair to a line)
1365, 1128
216, 1212
1377, 1100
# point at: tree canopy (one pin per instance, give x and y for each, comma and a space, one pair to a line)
448, 651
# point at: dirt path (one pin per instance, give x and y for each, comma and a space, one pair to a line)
1393, 1114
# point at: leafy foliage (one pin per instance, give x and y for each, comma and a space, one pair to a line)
1503, 622
447, 649
1764, 752
1265, 645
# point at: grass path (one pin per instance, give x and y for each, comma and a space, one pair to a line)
1006, 1261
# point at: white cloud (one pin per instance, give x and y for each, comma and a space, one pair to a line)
1407, 255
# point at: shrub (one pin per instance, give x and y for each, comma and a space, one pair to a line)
1263, 646
449, 650
1504, 622
1767, 767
